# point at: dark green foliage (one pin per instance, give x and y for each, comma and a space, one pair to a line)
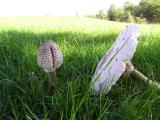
113, 13
146, 11
150, 9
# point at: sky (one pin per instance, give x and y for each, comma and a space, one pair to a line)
56, 7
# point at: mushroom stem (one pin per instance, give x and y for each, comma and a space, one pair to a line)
135, 73
52, 81
138, 75
52, 78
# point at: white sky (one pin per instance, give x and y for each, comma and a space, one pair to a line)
55, 7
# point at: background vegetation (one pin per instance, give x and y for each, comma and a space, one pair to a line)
83, 42
146, 11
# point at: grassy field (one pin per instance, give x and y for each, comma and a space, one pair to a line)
83, 42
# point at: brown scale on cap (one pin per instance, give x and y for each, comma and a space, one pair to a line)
49, 56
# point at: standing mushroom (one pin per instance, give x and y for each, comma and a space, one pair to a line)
50, 58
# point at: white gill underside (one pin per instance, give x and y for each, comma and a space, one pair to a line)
112, 65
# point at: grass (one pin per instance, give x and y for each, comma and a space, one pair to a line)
83, 42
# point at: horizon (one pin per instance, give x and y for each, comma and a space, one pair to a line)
56, 8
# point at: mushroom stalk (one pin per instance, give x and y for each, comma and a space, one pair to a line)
52, 79
136, 74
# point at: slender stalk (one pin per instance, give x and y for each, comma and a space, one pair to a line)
154, 83
52, 78
135, 73
52, 81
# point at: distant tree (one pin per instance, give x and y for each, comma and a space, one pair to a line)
150, 9
121, 15
147, 10
130, 7
77, 14
130, 18
113, 13
101, 15
125, 16
140, 20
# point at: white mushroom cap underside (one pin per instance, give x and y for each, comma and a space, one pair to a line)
112, 66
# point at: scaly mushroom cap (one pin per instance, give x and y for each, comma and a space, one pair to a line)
49, 56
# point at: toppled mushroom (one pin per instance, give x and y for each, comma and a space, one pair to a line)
117, 62
112, 65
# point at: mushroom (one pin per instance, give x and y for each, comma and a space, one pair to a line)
50, 58
117, 61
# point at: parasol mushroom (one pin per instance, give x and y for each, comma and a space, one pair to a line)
117, 61
50, 58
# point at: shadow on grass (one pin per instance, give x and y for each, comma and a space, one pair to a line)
21, 47
82, 52
18, 51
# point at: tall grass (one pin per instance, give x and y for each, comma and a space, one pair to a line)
83, 42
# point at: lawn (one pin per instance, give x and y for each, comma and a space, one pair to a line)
83, 41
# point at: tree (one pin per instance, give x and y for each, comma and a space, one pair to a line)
150, 9
121, 15
130, 17
146, 11
101, 15
113, 13
129, 7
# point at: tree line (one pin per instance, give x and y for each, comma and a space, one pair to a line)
146, 11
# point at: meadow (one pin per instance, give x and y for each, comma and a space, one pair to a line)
83, 42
